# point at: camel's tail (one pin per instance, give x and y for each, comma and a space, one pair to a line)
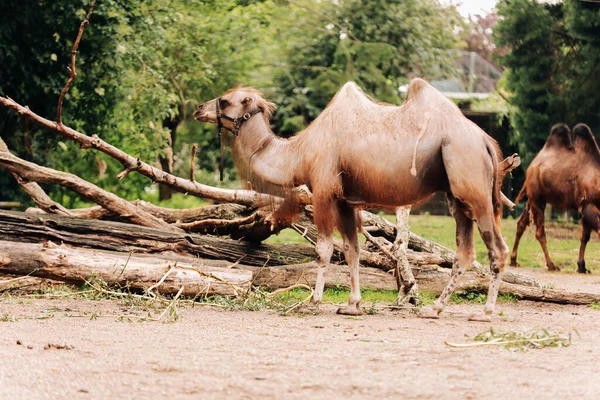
496, 195
522, 193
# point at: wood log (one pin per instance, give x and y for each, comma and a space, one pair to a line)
37, 194
429, 278
198, 276
137, 271
115, 236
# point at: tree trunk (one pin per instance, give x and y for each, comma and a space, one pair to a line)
137, 271
206, 277
115, 236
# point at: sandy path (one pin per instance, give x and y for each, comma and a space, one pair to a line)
211, 353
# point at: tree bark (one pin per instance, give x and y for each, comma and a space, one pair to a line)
206, 277
37, 194
135, 271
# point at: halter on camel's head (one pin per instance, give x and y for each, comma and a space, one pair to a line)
232, 110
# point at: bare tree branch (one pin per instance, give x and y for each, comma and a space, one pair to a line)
73, 70
244, 197
37, 194
32, 172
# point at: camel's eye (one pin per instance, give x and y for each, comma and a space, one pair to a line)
224, 104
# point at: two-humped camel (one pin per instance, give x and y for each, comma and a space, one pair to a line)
359, 152
565, 174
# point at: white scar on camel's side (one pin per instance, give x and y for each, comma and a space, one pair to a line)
359, 152
422, 127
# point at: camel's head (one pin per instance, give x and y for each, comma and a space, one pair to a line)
234, 107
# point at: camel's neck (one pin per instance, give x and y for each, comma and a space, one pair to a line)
271, 158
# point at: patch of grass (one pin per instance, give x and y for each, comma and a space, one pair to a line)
507, 298
519, 341
182, 201
9, 318
468, 298
595, 306
340, 295
427, 298
563, 241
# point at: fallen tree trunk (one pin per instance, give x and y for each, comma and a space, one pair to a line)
137, 271
115, 236
169, 273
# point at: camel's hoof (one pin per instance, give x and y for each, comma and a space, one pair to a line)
581, 268
429, 314
350, 310
480, 318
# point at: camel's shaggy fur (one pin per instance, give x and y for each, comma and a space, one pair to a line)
566, 174
359, 152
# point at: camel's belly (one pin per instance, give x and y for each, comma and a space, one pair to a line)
395, 186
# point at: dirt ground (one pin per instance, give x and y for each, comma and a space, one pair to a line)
218, 354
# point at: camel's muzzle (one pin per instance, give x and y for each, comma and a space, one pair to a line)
200, 115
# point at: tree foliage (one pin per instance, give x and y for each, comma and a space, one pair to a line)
553, 67
143, 66
140, 65
378, 44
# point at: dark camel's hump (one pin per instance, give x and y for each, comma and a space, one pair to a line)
585, 140
560, 136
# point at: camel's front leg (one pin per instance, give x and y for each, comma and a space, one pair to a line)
324, 250
349, 229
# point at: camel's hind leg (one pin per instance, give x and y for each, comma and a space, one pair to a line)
497, 253
349, 224
586, 233
590, 221
522, 224
465, 254
537, 212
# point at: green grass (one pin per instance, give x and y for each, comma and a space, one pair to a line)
562, 240
519, 341
340, 295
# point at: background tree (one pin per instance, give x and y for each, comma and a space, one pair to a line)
140, 65
552, 74
379, 44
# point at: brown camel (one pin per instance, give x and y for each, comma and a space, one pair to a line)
359, 152
566, 175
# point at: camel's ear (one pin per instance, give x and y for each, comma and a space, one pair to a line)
247, 100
